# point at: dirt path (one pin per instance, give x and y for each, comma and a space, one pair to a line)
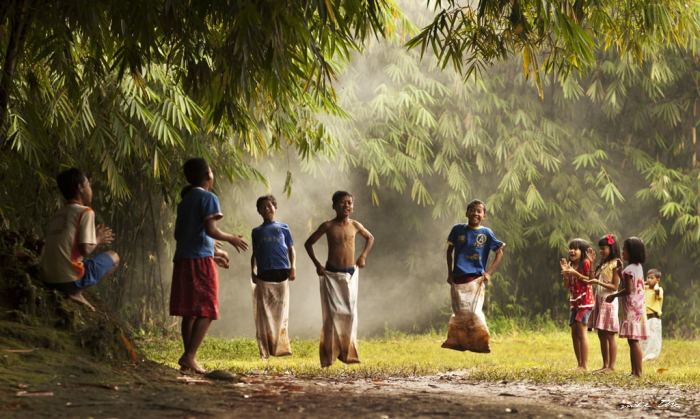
157, 391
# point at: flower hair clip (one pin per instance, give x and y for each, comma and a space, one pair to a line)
610, 238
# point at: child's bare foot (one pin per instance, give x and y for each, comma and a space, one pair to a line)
187, 364
79, 298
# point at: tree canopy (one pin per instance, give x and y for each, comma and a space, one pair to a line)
555, 36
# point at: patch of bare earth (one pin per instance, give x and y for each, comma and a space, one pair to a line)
152, 390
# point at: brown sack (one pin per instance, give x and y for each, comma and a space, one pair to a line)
339, 310
271, 310
467, 330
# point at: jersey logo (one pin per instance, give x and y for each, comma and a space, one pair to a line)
480, 240
461, 238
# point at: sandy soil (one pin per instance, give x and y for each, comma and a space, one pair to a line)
152, 390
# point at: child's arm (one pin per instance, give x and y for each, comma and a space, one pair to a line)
627, 278
369, 242
253, 265
564, 265
292, 263
309, 246
496, 261
103, 235
615, 282
213, 231
450, 251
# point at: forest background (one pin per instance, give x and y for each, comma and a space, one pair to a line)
559, 146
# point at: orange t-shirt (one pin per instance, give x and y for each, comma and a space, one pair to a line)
61, 261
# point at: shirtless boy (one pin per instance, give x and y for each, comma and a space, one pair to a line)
340, 233
339, 281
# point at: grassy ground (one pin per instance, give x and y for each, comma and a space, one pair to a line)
543, 357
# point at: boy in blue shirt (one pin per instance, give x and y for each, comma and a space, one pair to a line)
273, 248
195, 286
275, 261
469, 245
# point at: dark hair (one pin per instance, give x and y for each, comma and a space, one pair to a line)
655, 272
338, 195
196, 171
583, 246
264, 198
69, 182
474, 203
635, 250
614, 248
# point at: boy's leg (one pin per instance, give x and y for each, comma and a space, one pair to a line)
186, 331
200, 326
96, 268
80, 298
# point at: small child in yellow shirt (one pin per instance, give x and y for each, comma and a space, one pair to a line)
653, 300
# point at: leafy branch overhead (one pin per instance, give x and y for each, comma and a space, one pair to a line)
131, 87
554, 36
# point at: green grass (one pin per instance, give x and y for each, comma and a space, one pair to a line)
542, 357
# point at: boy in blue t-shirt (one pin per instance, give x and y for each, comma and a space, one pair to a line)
469, 245
273, 248
195, 285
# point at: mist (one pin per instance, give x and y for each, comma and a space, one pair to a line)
394, 294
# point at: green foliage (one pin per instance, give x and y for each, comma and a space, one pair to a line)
614, 151
555, 36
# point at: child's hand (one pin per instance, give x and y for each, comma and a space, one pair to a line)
292, 274
610, 298
221, 258
104, 234
564, 264
221, 262
239, 243
449, 278
361, 262
320, 270
591, 254
486, 276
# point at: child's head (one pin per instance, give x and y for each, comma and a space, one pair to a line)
577, 251
476, 212
653, 277
198, 173
633, 250
342, 203
73, 184
609, 248
267, 207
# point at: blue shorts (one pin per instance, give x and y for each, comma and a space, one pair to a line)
580, 315
350, 270
95, 269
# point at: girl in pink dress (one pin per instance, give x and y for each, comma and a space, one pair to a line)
576, 274
604, 318
633, 320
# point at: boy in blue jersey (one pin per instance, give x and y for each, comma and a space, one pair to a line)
273, 248
469, 245
275, 261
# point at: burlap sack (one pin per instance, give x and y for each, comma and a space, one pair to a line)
339, 309
271, 311
467, 330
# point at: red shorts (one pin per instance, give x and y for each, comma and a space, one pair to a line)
195, 288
